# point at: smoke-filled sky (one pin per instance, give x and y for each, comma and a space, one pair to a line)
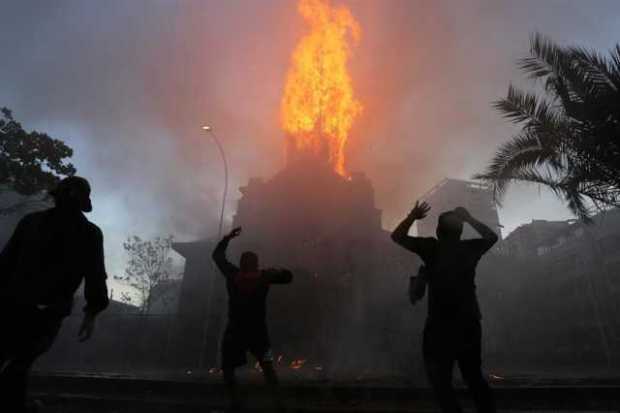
128, 84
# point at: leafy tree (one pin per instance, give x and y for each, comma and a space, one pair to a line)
30, 163
570, 132
149, 269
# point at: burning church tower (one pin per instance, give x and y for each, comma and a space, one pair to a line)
313, 216
314, 199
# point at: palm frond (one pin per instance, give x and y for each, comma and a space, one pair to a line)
594, 68
546, 58
614, 63
560, 186
535, 112
521, 107
523, 153
517, 106
570, 138
564, 75
539, 120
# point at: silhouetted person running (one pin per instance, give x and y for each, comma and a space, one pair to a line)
246, 330
41, 267
452, 332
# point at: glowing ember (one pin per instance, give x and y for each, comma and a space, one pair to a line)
297, 364
318, 106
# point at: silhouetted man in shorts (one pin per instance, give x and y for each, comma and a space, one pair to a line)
41, 267
246, 330
452, 332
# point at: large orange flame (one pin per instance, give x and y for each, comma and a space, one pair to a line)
318, 106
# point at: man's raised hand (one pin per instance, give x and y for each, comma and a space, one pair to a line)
86, 328
234, 233
419, 210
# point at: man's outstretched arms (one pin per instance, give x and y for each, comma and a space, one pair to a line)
417, 285
95, 287
219, 253
278, 275
10, 253
401, 236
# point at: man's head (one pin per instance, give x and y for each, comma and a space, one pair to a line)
73, 193
449, 226
248, 262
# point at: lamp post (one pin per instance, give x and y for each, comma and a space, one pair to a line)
209, 129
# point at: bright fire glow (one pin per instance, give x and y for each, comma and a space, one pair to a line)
318, 106
297, 364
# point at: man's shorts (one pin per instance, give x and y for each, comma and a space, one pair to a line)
238, 341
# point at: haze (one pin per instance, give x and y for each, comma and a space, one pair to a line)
128, 84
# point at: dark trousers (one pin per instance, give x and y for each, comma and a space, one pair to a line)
238, 340
27, 333
447, 343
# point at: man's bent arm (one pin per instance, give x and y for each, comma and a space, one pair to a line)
279, 276
421, 246
482, 229
489, 237
10, 252
417, 285
95, 287
401, 234
219, 256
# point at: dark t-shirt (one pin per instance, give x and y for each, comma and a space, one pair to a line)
247, 291
46, 259
451, 270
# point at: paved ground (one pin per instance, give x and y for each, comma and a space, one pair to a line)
109, 393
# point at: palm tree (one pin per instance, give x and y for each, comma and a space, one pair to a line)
570, 131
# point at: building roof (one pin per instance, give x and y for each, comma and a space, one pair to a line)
473, 184
191, 248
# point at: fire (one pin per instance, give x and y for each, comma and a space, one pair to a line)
297, 364
318, 106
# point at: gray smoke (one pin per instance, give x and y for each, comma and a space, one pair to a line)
128, 85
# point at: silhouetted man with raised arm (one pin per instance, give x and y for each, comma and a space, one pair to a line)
246, 330
41, 267
452, 332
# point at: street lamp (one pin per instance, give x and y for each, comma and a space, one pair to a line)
209, 129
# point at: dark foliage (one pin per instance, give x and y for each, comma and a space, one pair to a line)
570, 133
30, 162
